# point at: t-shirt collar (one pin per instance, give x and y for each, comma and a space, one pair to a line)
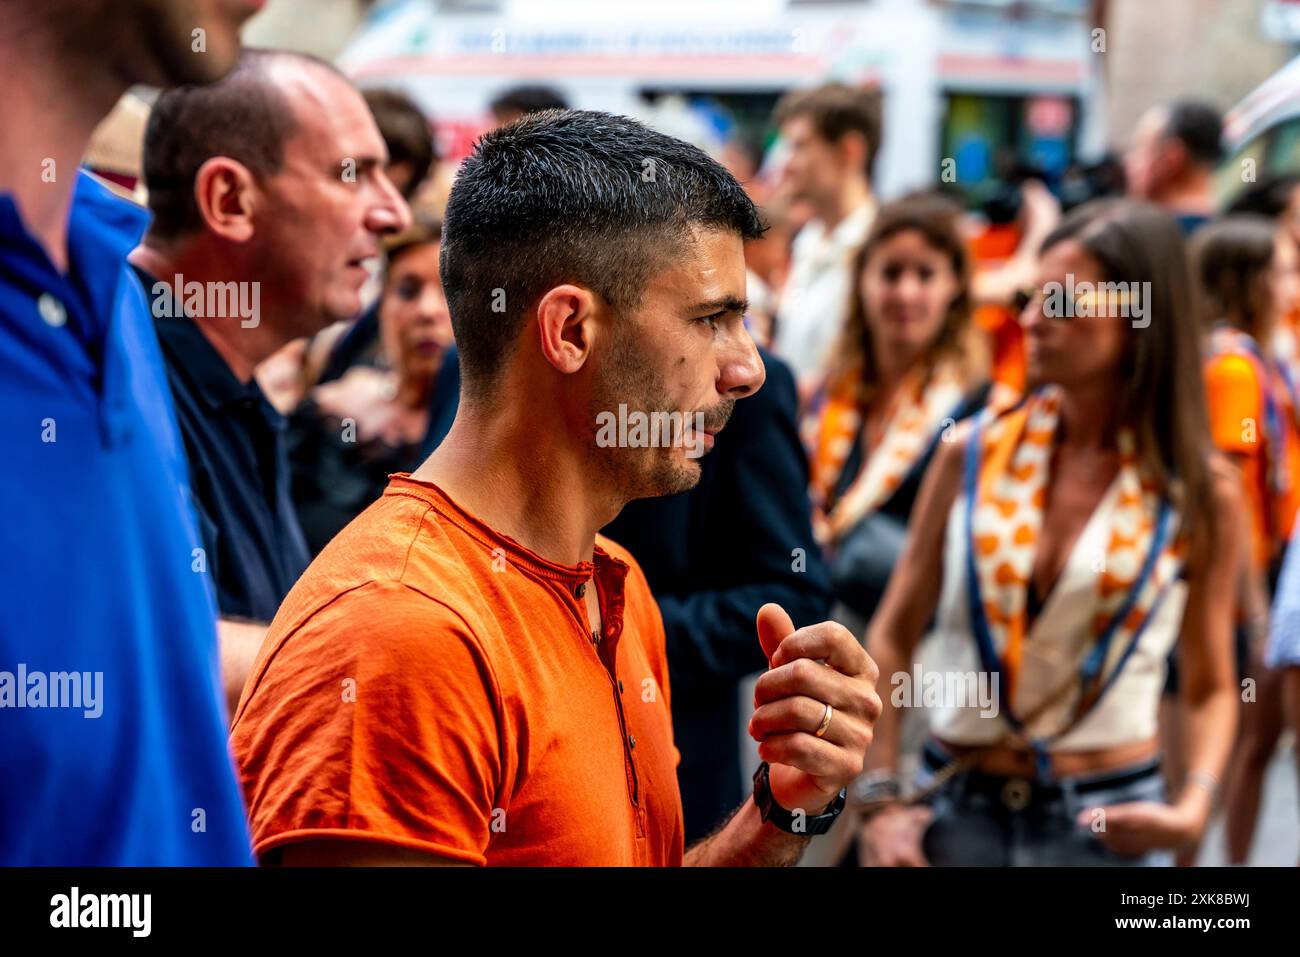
611, 570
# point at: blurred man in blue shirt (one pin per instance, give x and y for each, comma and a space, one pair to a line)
114, 733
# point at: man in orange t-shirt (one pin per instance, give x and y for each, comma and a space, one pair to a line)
468, 673
419, 619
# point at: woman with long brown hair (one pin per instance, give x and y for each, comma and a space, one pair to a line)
1246, 267
1062, 549
907, 368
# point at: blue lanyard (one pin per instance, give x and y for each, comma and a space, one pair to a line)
1288, 381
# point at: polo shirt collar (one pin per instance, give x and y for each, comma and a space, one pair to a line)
102, 229
198, 360
97, 294
101, 221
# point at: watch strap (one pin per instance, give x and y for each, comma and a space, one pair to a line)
798, 821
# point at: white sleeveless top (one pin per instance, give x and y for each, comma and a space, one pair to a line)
1125, 714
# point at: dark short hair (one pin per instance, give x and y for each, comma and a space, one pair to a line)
406, 133
1199, 127
835, 110
1269, 197
528, 99
570, 196
243, 116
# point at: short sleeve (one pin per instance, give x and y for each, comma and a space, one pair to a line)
376, 719
1235, 404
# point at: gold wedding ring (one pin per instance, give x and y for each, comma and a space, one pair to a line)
826, 722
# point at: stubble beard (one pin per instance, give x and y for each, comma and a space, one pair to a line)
627, 378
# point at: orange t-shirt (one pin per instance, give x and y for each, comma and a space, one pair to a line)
1007, 344
990, 249
1236, 405
432, 684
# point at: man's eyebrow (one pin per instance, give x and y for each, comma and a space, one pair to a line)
367, 161
724, 304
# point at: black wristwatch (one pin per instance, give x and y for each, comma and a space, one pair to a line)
805, 825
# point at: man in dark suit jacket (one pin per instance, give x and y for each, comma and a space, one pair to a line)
713, 556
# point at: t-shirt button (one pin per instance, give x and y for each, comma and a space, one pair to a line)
620, 685
52, 311
580, 589
631, 741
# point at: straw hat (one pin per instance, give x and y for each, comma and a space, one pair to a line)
117, 147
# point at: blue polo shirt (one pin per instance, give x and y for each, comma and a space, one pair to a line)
113, 745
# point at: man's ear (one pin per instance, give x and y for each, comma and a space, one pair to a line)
1177, 156
1172, 159
226, 195
852, 147
566, 326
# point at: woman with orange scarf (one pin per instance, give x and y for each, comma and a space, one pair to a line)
908, 367
1061, 550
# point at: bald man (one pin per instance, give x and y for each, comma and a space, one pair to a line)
269, 195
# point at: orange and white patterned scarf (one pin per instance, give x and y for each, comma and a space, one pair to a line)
920, 409
1006, 481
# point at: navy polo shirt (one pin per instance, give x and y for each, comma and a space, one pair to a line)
239, 469
113, 746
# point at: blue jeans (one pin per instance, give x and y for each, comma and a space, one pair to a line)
983, 821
